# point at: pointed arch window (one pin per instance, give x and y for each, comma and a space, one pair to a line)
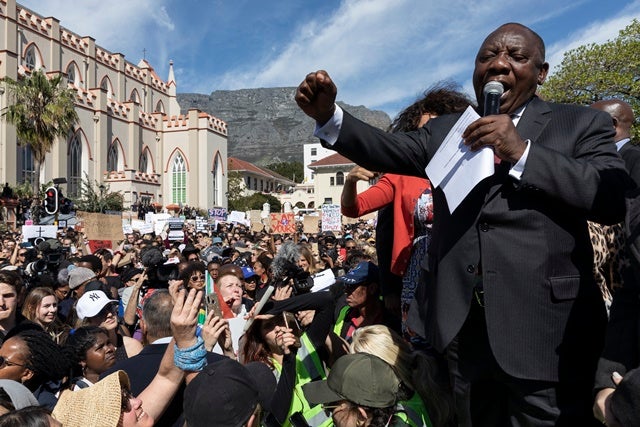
179, 180
135, 96
71, 74
112, 157
74, 166
159, 107
144, 162
30, 58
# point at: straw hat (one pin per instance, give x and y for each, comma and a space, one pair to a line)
99, 405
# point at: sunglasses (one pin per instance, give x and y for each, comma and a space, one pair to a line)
328, 408
22, 254
125, 404
4, 362
107, 309
198, 278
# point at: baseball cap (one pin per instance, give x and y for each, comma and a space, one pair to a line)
80, 275
248, 272
226, 393
216, 240
91, 303
352, 378
364, 273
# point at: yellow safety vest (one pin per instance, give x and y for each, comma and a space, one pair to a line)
308, 368
413, 412
337, 328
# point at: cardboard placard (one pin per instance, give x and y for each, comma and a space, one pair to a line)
310, 223
256, 221
98, 226
282, 223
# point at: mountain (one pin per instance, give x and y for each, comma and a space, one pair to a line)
265, 125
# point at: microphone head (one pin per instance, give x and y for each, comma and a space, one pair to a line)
494, 88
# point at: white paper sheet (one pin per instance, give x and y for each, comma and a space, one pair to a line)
455, 168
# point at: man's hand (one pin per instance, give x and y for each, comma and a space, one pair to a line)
498, 132
216, 330
602, 405
359, 173
282, 293
184, 317
316, 96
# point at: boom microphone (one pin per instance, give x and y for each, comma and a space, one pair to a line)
492, 92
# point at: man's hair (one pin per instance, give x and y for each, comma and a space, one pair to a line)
156, 314
12, 279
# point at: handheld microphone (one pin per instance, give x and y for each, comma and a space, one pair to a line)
492, 92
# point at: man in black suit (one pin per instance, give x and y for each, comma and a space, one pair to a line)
142, 368
511, 297
622, 115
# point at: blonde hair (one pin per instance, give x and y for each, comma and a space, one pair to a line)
413, 368
306, 253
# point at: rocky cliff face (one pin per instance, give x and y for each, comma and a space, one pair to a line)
265, 125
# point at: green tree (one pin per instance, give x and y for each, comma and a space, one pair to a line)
41, 109
96, 197
235, 187
255, 201
594, 72
291, 170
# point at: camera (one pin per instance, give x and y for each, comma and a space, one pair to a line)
301, 281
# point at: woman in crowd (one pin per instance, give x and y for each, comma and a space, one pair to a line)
410, 196
306, 261
361, 391
109, 402
30, 357
90, 353
30, 416
293, 357
41, 307
94, 308
428, 404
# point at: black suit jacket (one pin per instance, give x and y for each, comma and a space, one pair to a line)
631, 155
526, 240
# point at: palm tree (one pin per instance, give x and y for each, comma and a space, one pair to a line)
41, 109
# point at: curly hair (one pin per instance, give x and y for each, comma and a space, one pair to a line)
77, 345
440, 99
45, 356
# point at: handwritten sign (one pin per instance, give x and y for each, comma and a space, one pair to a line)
256, 220
99, 226
282, 223
236, 216
331, 218
218, 214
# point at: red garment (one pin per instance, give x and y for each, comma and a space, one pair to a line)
404, 192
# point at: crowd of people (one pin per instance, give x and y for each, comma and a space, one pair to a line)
487, 315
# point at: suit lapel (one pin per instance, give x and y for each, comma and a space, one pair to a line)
533, 121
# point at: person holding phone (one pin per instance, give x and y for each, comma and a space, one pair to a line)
276, 339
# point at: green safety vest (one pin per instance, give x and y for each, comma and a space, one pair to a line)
337, 328
413, 412
308, 368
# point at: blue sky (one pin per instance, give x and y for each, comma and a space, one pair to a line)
381, 53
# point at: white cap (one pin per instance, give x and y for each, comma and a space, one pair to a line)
90, 304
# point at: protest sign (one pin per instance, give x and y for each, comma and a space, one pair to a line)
98, 226
282, 223
310, 223
42, 231
331, 218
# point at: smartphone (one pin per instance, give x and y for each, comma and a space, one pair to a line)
211, 301
291, 322
297, 420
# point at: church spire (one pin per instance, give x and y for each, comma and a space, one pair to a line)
172, 77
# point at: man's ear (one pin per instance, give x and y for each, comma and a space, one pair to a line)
26, 375
143, 326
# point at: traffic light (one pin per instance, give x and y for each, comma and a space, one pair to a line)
51, 200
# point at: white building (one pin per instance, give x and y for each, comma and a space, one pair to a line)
130, 135
312, 152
